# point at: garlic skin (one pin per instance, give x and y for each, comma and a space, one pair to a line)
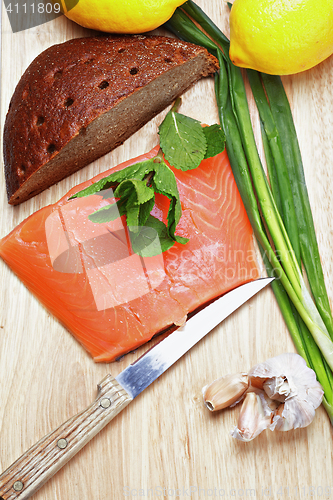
289, 380
225, 391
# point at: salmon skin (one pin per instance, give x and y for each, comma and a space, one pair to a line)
113, 300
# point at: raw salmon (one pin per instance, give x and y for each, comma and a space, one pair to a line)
113, 300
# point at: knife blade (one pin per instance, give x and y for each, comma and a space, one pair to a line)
36, 466
140, 374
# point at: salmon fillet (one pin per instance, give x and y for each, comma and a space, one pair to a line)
113, 300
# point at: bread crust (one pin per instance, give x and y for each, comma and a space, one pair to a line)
80, 99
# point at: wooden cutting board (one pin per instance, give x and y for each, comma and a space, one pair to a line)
165, 444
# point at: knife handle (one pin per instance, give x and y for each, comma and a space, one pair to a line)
25, 476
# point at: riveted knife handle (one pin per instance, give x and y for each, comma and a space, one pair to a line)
25, 476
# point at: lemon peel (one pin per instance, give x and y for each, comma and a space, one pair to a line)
280, 37
126, 16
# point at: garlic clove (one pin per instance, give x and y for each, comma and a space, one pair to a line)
257, 383
252, 418
225, 391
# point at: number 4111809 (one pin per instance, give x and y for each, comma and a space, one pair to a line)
40, 8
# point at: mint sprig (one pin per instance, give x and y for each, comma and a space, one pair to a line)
184, 144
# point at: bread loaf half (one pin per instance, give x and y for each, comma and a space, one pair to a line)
79, 100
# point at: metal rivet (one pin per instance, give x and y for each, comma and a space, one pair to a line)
18, 486
105, 403
62, 443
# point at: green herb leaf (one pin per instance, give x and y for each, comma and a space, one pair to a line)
136, 171
136, 199
215, 139
105, 214
151, 239
182, 141
164, 182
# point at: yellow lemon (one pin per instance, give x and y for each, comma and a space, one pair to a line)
280, 37
120, 16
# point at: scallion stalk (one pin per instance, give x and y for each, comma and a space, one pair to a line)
308, 242
287, 209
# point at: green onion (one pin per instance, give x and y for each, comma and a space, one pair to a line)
308, 242
286, 201
284, 214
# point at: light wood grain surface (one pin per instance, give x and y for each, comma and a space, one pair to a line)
165, 443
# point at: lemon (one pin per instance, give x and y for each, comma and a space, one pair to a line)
121, 16
280, 37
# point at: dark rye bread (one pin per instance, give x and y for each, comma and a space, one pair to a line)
81, 99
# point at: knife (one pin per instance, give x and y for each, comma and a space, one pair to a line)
25, 476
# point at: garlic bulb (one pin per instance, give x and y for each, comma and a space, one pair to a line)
289, 380
280, 394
